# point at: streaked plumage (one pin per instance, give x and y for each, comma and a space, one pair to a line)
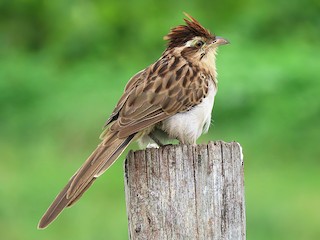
170, 99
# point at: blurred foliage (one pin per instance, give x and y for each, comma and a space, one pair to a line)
63, 65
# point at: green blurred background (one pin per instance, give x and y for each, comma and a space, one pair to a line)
64, 64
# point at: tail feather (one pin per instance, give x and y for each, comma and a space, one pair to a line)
79, 195
94, 167
60, 202
98, 162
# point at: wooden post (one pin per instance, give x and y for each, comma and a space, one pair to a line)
186, 192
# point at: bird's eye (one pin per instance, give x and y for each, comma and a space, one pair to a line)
199, 43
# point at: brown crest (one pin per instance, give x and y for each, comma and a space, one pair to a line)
179, 35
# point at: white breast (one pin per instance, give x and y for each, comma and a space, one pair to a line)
188, 126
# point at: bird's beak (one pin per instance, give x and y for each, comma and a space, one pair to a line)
221, 41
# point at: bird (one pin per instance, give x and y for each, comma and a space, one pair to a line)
170, 99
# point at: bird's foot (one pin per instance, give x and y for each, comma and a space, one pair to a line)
155, 139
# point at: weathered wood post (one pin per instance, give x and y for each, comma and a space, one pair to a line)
186, 192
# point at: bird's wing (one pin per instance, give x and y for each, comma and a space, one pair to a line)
132, 83
165, 88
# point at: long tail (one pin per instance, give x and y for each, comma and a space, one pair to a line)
99, 161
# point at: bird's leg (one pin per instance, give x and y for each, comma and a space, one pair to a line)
155, 139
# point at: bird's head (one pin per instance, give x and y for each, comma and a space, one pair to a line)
193, 40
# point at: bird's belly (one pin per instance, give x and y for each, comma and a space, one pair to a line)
188, 126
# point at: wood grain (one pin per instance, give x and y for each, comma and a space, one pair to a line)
186, 192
